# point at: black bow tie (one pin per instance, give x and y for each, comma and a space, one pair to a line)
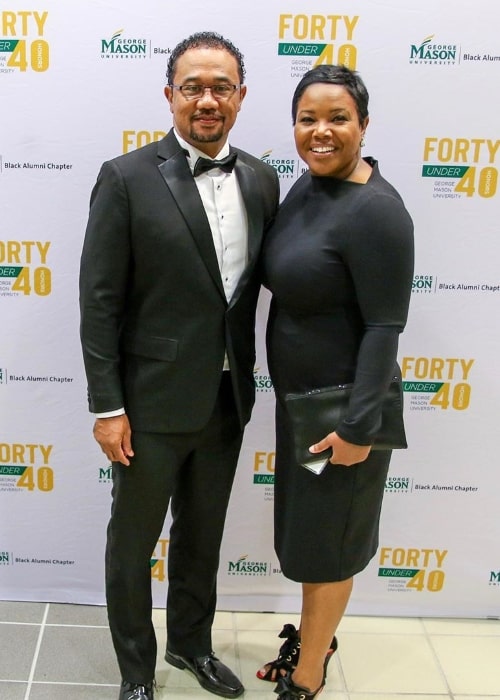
204, 164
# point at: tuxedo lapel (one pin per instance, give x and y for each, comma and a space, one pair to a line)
179, 180
249, 186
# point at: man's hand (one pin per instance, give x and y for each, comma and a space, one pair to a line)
114, 437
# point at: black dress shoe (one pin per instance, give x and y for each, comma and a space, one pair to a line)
210, 673
136, 691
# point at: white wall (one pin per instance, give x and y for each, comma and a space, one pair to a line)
67, 100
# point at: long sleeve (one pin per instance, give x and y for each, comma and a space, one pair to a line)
103, 280
379, 255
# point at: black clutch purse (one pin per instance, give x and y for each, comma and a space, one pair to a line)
316, 413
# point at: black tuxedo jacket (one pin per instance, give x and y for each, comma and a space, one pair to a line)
155, 322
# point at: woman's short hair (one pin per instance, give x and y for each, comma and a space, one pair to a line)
335, 75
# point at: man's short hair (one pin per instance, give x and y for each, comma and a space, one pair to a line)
204, 40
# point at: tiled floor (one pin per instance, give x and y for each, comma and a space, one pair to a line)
64, 652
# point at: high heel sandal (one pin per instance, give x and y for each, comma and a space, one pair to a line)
287, 690
288, 656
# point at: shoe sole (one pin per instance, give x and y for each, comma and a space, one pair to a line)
173, 661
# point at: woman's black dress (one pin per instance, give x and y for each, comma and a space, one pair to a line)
339, 263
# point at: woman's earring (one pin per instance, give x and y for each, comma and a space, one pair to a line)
362, 142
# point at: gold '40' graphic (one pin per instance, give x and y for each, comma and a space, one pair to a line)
41, 479
432, 581
459, 397
157, 562
40, 281
34, 56
484, 181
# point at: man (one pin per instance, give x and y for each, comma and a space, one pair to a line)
168, 290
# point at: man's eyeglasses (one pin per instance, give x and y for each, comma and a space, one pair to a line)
220, 91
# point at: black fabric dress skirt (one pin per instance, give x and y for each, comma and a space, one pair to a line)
326, 526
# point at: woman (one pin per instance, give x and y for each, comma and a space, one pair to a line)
339, 264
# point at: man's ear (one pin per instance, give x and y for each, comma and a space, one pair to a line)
169, 94
243, 92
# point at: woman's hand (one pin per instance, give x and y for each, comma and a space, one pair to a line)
342, 452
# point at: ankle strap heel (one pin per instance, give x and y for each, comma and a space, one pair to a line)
288, 656
287, 690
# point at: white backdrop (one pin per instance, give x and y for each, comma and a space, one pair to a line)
81, 82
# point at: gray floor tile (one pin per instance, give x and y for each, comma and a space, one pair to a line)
21, 612
476, 697
195, 693
51, 691
77, 655
391, 664
470, 665
399, 696
76, 660
63, 614
18, 647
12, 691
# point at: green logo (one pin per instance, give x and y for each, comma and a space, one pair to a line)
11, 470
422, 284
455, 171
422, 387
495, 578
265, 479
10, 271
289, 49
105, 475
242, 567
433, 53
397, 484
123, 48
397, 573
8, 45
263, 382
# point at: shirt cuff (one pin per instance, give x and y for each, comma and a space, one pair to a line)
111, 414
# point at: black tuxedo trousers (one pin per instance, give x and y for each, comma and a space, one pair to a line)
194, 472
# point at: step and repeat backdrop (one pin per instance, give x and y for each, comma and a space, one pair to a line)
82, 82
